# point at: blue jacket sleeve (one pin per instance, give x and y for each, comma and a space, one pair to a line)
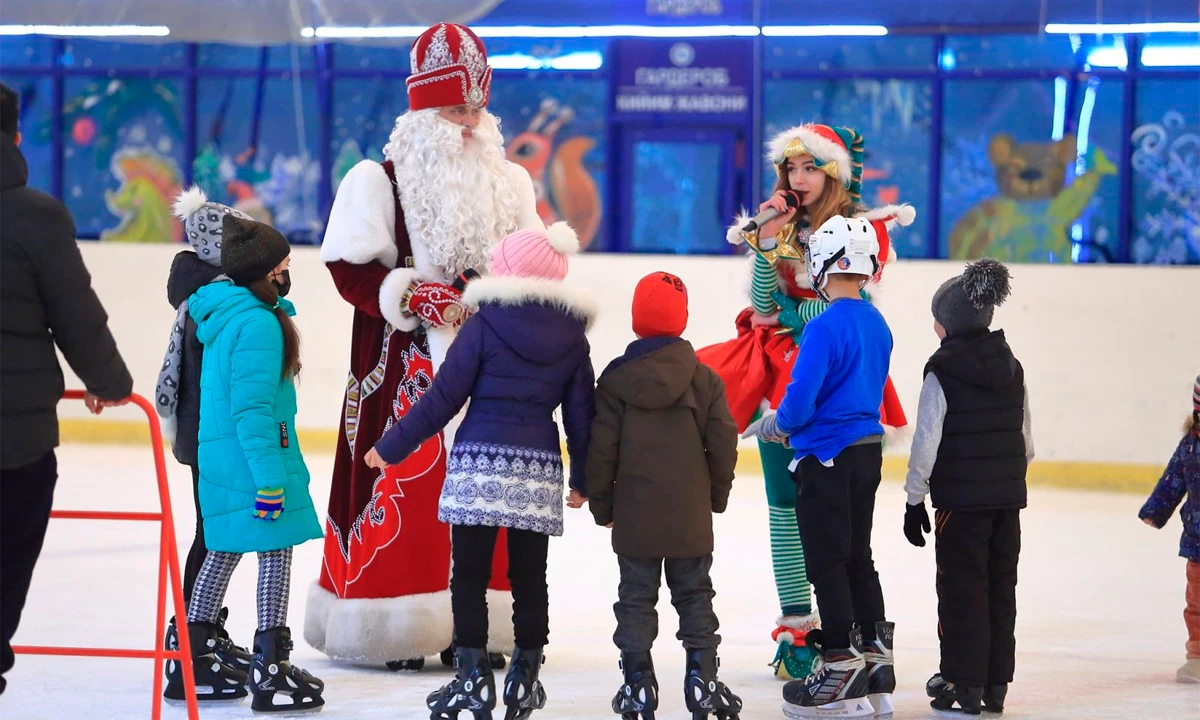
256, 367
808, 374
579, 409
1170, 489
445, 398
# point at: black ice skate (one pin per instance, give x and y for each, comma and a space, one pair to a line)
704, 693
214, 679
638, 697
473, 689
881, 670
279, 686
993, 698
235, 656
523, 691
447, 658
836, 689
946, 695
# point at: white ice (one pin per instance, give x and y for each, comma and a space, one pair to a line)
1100, 629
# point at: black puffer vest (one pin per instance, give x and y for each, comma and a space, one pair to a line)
981, 461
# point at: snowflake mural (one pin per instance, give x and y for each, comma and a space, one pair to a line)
1166, 161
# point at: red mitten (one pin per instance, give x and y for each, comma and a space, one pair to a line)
437, 304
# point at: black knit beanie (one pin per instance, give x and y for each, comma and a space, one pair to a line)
968, 302
251, 249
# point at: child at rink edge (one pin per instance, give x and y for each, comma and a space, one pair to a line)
971, 451
660, 463
830, 417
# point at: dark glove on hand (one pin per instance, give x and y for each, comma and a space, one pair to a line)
916, 519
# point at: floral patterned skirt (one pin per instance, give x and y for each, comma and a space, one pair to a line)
503, 486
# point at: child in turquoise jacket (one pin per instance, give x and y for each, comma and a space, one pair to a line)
253, 482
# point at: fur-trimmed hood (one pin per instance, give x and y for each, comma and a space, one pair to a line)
540, 320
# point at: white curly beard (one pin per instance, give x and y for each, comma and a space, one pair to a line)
456, 193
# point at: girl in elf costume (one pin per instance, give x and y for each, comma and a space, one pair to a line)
823, 165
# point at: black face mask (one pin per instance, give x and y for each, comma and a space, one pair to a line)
286, 285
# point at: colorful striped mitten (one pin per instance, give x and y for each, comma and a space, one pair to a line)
268, 503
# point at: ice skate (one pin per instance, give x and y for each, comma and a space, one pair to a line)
638, 697
993, 698
881, 671
836, 689
952, 700
1190, 672
473, 689
279, 686
235, 656
523, 691
704, 694
215, 681
793, 658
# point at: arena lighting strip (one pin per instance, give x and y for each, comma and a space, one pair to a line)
88, 30
1121, 28
605, 31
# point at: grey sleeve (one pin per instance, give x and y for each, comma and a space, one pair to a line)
1027, 429
931, 413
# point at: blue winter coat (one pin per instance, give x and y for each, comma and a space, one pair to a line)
1182, 478
520, 357
247, 425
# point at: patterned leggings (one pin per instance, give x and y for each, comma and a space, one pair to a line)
787, 553
274, 585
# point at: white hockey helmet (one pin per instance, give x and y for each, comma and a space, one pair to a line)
842, 246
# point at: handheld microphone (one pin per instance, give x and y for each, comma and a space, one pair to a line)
460, 282
793, 201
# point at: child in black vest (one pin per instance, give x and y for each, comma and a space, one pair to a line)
971, 450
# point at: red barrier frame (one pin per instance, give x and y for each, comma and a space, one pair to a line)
168, 568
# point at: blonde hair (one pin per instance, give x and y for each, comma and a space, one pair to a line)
834, 200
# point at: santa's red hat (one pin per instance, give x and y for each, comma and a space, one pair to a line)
449, 67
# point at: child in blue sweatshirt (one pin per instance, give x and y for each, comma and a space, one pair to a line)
830, 417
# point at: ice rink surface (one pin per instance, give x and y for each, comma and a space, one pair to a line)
1099, 634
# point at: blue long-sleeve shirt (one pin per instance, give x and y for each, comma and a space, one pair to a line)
837, 381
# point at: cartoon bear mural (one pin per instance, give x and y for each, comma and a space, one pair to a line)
1030, 220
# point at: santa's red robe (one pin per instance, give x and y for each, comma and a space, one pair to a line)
383, 592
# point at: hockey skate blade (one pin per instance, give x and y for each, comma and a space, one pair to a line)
205, 696
882, 702
855, 708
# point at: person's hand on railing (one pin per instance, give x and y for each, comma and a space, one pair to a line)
96, 405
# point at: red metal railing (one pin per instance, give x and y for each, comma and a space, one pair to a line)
168, 568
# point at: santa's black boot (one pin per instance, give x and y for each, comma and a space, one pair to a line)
279, 686
704, 694
214, 679
523, 691
473, 689
638, 697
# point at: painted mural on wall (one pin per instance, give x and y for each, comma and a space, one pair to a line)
149, 184
1166, 164
1029, 217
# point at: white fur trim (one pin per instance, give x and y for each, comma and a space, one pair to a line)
786, 637
562, 238
734, 234
501, 636
391, 293
799, 622
892, 215
897, 436
821, 148
362, 223
189, 201
169, 426
378, 630
527, 214
519, 291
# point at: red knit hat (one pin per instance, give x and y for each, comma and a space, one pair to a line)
449, 67
660, 306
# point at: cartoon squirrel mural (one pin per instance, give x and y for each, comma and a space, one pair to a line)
1030, 220
573, 195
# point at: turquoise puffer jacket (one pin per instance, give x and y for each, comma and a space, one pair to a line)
247, 425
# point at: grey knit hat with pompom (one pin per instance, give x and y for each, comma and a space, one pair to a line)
967, 302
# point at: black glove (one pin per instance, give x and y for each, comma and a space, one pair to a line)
916, 519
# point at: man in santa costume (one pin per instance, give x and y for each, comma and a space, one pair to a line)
403, 237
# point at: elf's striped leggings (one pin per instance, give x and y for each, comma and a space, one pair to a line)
274, 585
787, 554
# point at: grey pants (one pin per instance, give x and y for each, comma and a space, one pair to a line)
274, 586
691, 594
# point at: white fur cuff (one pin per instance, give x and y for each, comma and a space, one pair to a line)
391, 295
734, 234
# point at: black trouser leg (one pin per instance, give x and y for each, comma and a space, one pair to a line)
964, 623
1002, 595
197, 553
472, 554
531, 596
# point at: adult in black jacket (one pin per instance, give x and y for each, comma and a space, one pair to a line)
47, 300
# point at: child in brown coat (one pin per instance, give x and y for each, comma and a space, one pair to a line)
661, 460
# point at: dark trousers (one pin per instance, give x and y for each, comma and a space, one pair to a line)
691, 594
474, 547
26, 495
835, 507
197, 553
977, 594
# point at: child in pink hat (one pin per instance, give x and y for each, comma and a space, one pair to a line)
522, 355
